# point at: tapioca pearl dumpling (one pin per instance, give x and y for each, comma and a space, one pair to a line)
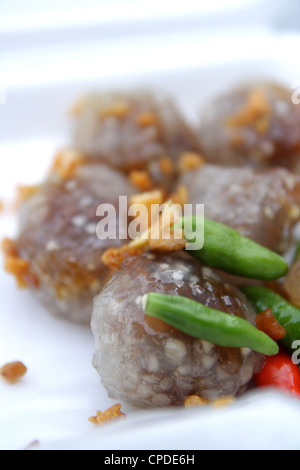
148, 363
254, 125
133, 130
58, 237
263, 205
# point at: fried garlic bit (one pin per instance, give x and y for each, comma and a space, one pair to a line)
195, 401
156, 222
223, 401
167, 166
24, 192
118, 110
13, 371
141, 180
190, 161
114, 412
114, 257
147, 119
256, 112
66, 162
147, 200
17, 266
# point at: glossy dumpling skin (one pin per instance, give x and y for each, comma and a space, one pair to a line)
131, 130
252, 125
263, 205
150, 364
58, 236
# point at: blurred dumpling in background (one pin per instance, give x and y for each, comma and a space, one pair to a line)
263, 205
254, 125
57, 253
136, 130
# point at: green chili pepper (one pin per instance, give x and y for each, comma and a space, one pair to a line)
297, 251
226, 249
285, 313
202, 322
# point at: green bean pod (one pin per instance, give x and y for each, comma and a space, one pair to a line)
199, 321
226, 249
287, 315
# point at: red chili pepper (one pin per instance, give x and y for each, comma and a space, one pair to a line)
280, 371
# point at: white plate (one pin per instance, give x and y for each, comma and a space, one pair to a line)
61, 390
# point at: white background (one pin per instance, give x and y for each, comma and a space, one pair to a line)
50, 52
